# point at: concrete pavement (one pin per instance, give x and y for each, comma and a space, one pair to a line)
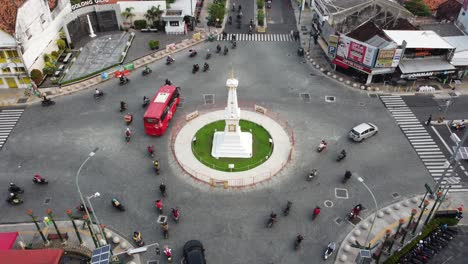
30, 237
388, 218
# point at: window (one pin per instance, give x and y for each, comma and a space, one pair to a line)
43, 20
25, 80
2, 56
6, 70
1, 81
20, 69
174, 23
152, 120
12, 54
11, 82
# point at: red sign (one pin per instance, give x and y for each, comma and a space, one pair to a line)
356, 52
338, 61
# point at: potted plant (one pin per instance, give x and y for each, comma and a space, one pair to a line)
153, 44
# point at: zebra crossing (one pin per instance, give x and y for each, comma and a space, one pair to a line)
428, 151
258, 37
8, 120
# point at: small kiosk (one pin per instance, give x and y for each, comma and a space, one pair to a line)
174, 22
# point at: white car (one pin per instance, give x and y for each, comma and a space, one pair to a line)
363, 131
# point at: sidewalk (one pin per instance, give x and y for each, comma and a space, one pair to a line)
30, 237
388, 218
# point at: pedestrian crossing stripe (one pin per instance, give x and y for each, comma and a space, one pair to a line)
258, 37
8, 120
422, 142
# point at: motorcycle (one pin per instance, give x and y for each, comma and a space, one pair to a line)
162, 189
159, 206
341, 156
316, 212
128, 135
145, 102
234, 44
123, 80
269, 4
167, 252
206, 67
218, 48
146, 71
287, 209
230, 20
195, 68
312, 174
175, 214
354, 212
14, 199
47, 102
329, 251
458, 126
208, 55
123, 106
156, 167
138, 239
39, 180
298, 241
15, 189
116, 203
193, 53
98, 95
271, 220
82, 209
226, 50
322, 146
151, 151
128, 118
347, 176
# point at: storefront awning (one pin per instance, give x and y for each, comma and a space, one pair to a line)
425, 65
7, 240
39, 256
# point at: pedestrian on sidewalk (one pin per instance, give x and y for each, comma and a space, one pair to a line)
233, 7
428, 122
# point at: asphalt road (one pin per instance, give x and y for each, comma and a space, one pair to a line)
54, 141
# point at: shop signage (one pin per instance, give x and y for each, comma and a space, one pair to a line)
77, 4
385, 58
353, 64
425, 74
356, 51
332, 44
397, 57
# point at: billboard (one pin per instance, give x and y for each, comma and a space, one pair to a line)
356, 51
385, 58
77, 4
397, 57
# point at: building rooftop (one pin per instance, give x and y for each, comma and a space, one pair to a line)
372, 34
6, 40
460, 58
336, 6
434, 4
443, 30
8, 15
418, 39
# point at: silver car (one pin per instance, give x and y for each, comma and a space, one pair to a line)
363, 131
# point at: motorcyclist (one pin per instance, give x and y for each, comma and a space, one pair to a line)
343, 153
156, 165
12, 197
165, 227
316, 211
234, 44
151, 150
193, 52
169, 59
356, 210
123, 79
13, 188
147, 69
273, 216
38, 178
137, 237
348, 175
196, 67
226, 49
145, 100
299, 239
98, 93
162, 188
168, 82
123, 106
218, 48
175, 213
159, 205
206, 66
230, 20
167, 252
128, 134
323, 142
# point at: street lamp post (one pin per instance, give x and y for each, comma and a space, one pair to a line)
376, 208
95, 216
90, 155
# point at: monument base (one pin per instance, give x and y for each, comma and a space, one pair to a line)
232, 145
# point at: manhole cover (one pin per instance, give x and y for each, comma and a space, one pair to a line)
47, 200
339, 221
181, 102
152, 262
341, 193
373, 95
22, 100
328, 203
209, 98
162, 219
330, 99
395, 195
305, 97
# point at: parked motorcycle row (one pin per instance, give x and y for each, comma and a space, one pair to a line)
428, 247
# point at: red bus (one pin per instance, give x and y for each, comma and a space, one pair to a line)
161, 109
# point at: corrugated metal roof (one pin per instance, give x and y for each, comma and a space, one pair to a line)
424, 65
418, 39
460, 57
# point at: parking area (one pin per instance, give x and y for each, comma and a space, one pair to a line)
455, 252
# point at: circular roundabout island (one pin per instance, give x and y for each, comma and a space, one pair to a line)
221, 148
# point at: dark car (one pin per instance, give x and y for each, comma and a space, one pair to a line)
194, 253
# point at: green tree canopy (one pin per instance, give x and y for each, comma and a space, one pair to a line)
216, 10
418, 8
153, 14
128, 13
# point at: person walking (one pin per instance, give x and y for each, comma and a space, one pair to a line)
428, 122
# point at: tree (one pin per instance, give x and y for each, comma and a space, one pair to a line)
154, 14
60, 44
216, 10
128, 14
418, 8
36, 76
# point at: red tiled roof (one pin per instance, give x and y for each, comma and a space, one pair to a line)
8, 13
434, 4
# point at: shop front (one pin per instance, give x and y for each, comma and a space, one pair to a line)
439, 69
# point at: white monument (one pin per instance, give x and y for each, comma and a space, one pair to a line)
232, 142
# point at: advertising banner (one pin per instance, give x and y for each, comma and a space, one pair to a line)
397, 57
356, 51
77, 4
332, 44
339, 61
385, 58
